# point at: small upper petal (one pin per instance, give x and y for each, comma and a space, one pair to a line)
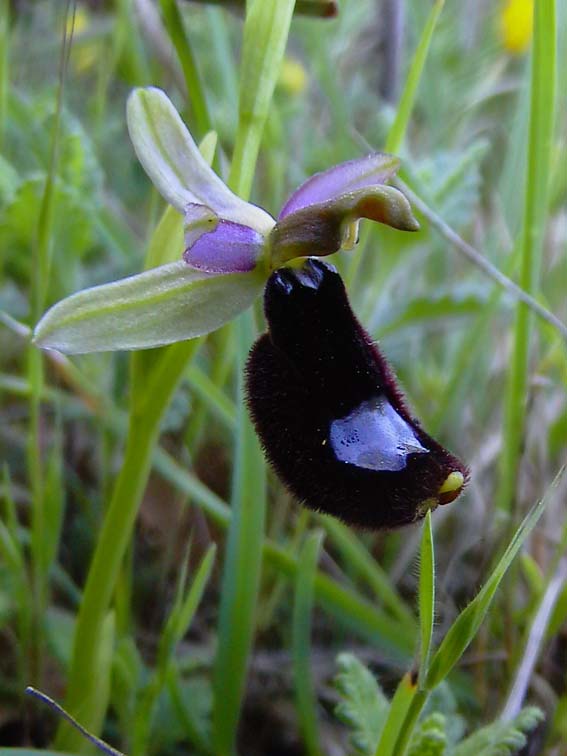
372, 170
229, 248
324, 228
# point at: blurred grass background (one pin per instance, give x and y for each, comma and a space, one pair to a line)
76, 209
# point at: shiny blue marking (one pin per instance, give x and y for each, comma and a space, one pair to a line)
375, 437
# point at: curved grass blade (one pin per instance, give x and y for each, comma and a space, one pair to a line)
467, 624
426, 597
305, 696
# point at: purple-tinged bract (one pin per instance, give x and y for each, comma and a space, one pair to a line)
331, 418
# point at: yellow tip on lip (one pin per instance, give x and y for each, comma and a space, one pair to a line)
453, 482
451, 488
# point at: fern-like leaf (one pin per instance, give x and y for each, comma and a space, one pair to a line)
363, 705
501, 738
430, 737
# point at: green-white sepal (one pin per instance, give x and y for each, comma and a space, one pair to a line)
160, 306
175, 165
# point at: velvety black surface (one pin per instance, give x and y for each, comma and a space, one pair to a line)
331, 418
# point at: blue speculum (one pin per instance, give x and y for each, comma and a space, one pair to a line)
374, 436
330, 415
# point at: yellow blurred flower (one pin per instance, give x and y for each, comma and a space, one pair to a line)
516, 25
293, 77
85, 53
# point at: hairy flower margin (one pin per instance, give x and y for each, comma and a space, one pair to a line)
231, 246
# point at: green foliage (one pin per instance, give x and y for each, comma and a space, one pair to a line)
453, 182
429, 737
426, 595
363, 707
110, 462
501, 738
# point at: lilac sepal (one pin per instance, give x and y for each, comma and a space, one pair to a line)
372, 170
229, 248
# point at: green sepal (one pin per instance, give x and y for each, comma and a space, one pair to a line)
160, 306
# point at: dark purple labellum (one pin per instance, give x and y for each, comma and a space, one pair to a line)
331, 418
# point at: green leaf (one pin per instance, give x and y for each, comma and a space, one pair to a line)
397, 713
429, 738
242, 568
173, 162
95, 701
184, 608
467, 624
59, 629
264, 39
166, 244
405, 107
180, 617
166, 304
439, 304
363, 564
453, 181
426, 596
363, 705
501, 738
543, 97
316, 8
305, 694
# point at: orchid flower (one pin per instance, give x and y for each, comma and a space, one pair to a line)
231, 246
323, 399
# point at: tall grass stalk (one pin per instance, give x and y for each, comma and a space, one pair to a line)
398, 129
154, 377
242, 567
175, 27
265, 36
343, 602
4, 66
41, 266
540, 143
85, 678
426, 598
409, 699
305, 696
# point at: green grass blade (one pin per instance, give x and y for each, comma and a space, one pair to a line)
184, 609
176, 626
467, 624
540, 149
345, 604
398, 130
154, 377
41, 267
4, 65
358, 558
401, 702
216, 400
174, 24
426, 597
305, 696
242, 568
265, 37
